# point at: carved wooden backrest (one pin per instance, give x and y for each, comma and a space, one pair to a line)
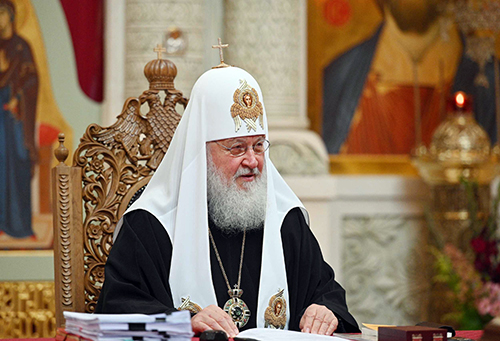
110, 166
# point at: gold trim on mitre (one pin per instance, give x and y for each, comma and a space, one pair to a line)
190, 306
275, 315
247, 107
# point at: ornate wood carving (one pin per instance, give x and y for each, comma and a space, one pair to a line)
117, 161
68, 263
64, 240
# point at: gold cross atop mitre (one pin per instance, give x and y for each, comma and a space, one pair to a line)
159, 49
220, 47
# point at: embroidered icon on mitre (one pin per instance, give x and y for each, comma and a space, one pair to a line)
247, 107
275, 315
190, 306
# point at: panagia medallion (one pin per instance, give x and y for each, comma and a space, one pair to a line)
237, 308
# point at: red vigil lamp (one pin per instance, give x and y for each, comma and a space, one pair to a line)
459, 102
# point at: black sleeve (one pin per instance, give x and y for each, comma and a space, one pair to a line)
310, 278
137, 270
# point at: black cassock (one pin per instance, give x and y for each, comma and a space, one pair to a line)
138, 266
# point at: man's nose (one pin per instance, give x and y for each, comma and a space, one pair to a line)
250, 159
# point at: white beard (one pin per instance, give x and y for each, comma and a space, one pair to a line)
233, 209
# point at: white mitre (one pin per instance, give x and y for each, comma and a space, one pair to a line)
177, 193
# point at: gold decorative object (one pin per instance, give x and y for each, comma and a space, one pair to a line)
460, 149
27, 310
110, 165
275, 314
189, 305
247, 107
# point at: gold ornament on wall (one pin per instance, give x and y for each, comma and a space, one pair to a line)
27, 310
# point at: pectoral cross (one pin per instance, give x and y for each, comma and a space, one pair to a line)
220, 47
159, 49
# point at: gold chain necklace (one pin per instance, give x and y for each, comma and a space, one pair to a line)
235, 306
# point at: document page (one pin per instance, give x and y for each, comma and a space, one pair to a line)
265, 334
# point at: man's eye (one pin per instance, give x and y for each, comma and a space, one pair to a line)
259, 145
237, 149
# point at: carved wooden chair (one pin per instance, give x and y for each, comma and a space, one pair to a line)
110, 166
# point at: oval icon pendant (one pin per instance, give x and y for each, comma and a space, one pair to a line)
237, 308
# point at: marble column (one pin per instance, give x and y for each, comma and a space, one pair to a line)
147, 22
137, 26
268, 39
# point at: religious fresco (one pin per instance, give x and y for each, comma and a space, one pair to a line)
30, 122
363, 57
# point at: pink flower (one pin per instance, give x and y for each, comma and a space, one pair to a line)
489, 301
483, 306
470, 280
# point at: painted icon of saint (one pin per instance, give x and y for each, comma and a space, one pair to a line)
18, 100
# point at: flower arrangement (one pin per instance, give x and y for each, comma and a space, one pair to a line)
472, 276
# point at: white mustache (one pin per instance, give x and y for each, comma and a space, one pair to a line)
246, 171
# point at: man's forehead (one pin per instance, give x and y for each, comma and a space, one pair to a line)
243, 138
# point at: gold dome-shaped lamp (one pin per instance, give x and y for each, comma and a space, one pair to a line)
460, 149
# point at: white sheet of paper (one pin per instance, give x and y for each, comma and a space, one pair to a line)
265, 334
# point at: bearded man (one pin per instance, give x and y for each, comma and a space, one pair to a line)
217, 231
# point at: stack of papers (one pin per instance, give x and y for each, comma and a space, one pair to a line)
111, 327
